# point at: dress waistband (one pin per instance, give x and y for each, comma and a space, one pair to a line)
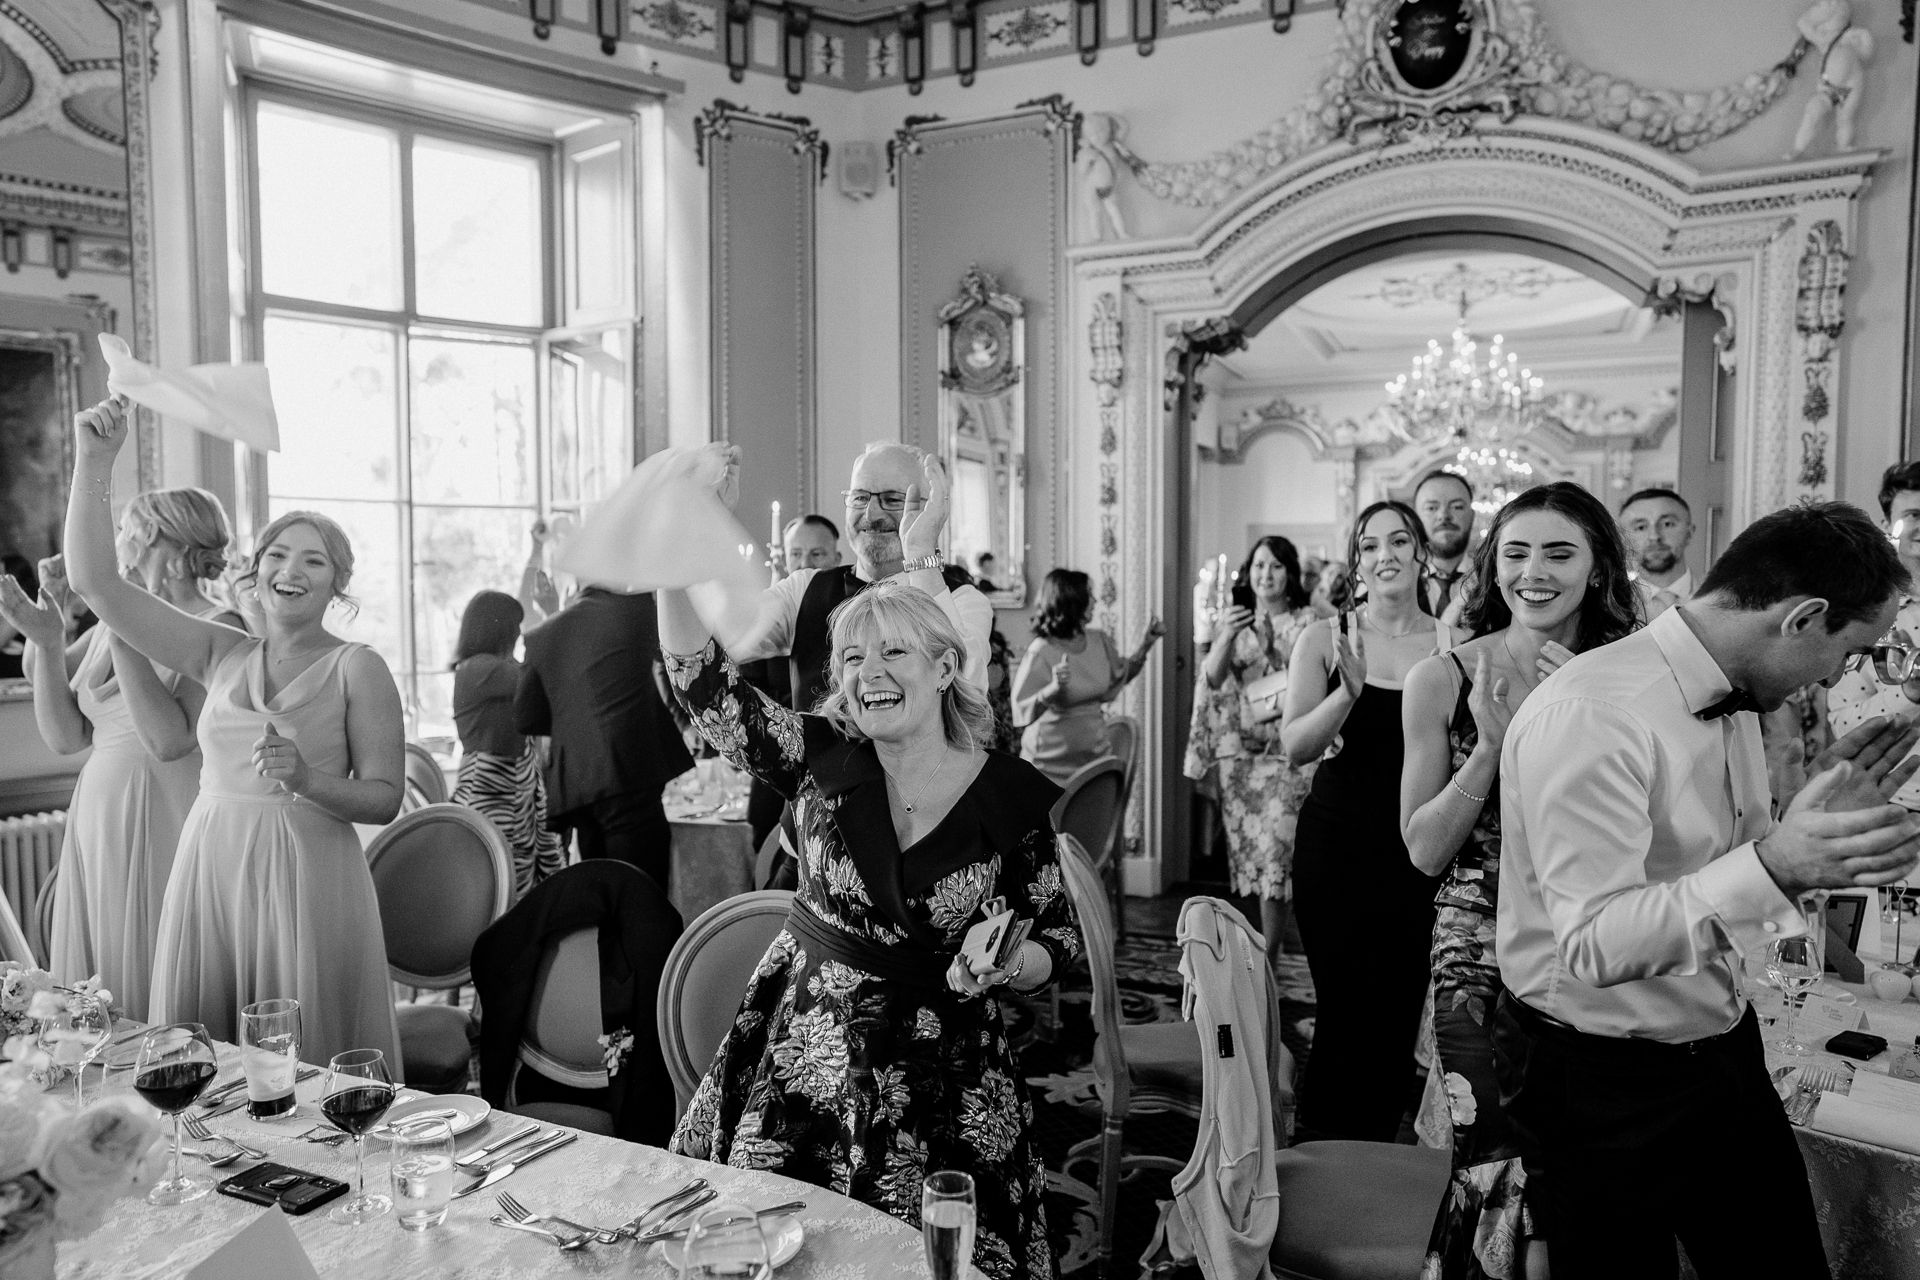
286, 798
908, 966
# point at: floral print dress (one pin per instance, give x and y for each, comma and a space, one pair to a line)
1484, 1215
863, 1083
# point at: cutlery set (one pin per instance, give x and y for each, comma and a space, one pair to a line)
665, 1216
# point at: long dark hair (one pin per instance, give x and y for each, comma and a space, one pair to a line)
1356, 584
1066, 602
1289, 557
490, 624
1608, 611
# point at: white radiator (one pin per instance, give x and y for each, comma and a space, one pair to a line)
29, 851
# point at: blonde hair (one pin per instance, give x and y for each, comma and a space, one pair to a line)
333, 539
901, 612
191, 521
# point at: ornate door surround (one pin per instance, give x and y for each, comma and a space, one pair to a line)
1768, 246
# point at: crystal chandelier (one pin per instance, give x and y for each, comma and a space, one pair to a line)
1474, 398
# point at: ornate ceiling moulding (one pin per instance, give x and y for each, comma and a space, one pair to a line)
717, 120
1401, 70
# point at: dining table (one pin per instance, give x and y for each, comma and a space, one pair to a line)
713, 852
594, 1180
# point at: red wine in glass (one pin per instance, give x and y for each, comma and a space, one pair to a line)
358, 1109
171, 1088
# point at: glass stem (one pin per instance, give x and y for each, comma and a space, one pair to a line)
360, 1165
176, 1148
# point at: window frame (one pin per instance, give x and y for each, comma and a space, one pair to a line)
406, 324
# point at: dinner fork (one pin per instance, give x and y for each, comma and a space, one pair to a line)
197, 1128
324, 1134
575, 1242
514, 1209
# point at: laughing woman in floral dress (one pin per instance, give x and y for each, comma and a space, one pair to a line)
867, 1053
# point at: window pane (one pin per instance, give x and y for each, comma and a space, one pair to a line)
473, 422
588, 381
477, 233
334, 395
329, 208
374, 530
456, 552
435, 691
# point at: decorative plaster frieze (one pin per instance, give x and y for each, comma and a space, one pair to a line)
679, 22
716, 122
139, 22
1108, 371
1818, 320
1029, 30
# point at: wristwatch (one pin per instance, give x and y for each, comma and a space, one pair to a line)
924, 562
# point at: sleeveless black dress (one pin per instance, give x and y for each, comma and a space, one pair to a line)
1366, 917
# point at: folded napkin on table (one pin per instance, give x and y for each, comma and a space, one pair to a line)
1846, 1117
233, 401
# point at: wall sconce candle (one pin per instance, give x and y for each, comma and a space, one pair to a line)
913, 47
13, 247
544, 12
1086, 29
610, 22
739, 38
796, 21
966, 40
1146, 24
62, 253
1281, 11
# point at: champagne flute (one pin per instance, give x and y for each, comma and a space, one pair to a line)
77, 1035
947, 1223
176, 1065
359, 1091
1794, 966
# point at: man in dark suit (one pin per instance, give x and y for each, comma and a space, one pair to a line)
588, 684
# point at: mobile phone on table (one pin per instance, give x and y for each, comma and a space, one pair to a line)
295, 1190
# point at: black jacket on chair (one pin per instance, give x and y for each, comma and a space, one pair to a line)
638, 927
588, 684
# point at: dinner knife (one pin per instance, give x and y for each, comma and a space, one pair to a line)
495, 1148
527, 1157
385, 1128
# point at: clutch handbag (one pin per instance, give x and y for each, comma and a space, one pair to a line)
1266, 695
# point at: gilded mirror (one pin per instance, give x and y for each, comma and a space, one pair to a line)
983, 435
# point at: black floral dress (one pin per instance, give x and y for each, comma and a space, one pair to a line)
1484, 1215
864, 1077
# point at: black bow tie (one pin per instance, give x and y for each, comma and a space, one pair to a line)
1444, 579
1738, 700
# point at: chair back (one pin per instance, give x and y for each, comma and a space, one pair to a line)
442, 875
40, 951
1123, 744
1088, 894
1091, 808
561, 1036
705, 977
425, 783
763, 860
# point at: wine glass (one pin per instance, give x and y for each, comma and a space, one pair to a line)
76, 1036
1794, 966
947, 1223
359, 1091
176, 1064
725, 1241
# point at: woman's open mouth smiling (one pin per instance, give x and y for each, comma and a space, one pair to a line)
881, 699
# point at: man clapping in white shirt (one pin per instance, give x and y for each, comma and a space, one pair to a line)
1640, 861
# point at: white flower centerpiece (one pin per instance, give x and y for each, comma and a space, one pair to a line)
61, 1169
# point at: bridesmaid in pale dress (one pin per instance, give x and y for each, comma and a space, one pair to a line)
303, 736
133, 793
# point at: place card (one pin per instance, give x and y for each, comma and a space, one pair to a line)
1823, 1015
266, 1247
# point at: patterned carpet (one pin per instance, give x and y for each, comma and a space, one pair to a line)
1066, 1110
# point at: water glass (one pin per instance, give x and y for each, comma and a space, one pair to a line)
422, 1154
947, 1222
270, 1055
118, 1066
726, 1240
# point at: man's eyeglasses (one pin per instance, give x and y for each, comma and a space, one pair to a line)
889, 499
1894, 662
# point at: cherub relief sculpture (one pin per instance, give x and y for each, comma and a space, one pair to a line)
1845, 51
1102, 151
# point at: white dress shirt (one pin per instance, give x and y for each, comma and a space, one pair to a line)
1859, 696
1628, 876
966, 608
1660, 599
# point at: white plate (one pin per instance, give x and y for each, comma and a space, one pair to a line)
784, 1237
470, 1110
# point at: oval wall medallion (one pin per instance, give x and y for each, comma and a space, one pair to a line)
1429, 41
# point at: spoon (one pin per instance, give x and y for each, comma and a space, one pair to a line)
214, 1162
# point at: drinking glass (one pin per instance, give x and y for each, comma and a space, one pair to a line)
1794, 966
725, 1241
270, 1055
946, 1223
75, 1036
422, 1172
359, 1091
175, 1066
119, 1066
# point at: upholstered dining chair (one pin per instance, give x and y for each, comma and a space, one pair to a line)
560, 1040
1090, 812
1356, 1210
425, 782
1123, 744
705, 976
41, 943
1138, 1068
442, 874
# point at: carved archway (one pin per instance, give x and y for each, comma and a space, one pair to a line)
1628, 214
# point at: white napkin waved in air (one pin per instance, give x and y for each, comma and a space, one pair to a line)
232, 401
665, 527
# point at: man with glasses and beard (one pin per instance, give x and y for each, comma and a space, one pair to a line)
1444, 503
1859, 695
1658, 525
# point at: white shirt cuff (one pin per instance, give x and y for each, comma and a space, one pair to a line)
1748, 904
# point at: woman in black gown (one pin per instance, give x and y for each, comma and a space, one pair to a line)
867, 1053
1365, 912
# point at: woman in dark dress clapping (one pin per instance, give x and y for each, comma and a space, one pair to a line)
1365, 912
867, 1053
